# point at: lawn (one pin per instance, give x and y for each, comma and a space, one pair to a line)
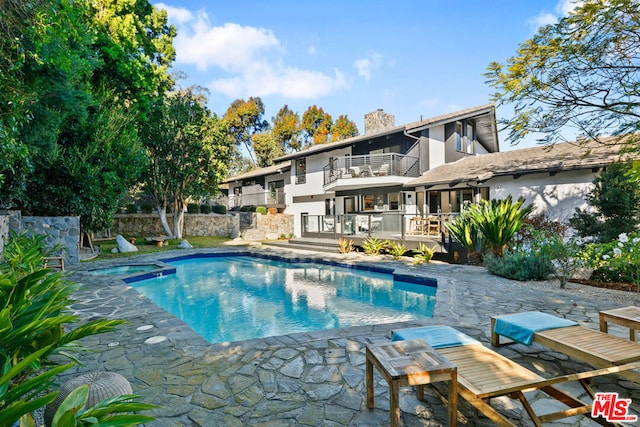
148, 247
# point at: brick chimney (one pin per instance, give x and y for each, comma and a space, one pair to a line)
377, 121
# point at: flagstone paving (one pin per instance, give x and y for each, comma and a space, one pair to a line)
317, 378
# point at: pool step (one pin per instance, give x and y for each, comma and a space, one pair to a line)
316, 245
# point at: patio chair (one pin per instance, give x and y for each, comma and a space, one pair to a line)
484, 374
564, 336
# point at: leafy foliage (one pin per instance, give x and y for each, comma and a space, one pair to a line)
188, 148
316, 125
521, 265
397, 250
374, 246
266, 148
244, 119
466, 231
34, 324
345, 246
424, 253
581, 72
286, 129
616, 200
343, 128
615, 261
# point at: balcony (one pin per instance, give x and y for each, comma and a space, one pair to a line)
351, 172
269, 199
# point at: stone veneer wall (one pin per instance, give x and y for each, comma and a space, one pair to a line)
194, 225
260, 227
60, 230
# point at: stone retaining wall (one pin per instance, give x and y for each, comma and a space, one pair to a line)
254, 226
60, 230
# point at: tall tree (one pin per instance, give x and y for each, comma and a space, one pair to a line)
189, 151
286, 129
343, 128
317, 125
581, 72
266, 148
244, 119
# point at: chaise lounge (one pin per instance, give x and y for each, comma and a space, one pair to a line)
564, 336
484, 374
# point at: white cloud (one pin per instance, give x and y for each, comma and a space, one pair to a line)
366, 65
251, 61
562, 9
544, 18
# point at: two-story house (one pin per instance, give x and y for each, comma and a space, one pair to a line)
359, 184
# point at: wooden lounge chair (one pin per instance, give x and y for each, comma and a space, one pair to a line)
484, 374
588, 345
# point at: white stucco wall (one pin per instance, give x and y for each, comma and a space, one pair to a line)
557, 196
311, 188
436, 146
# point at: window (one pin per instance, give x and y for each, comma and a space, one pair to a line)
458, 136
394, 201
468, 139
301, 171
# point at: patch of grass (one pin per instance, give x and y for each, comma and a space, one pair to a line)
145, 247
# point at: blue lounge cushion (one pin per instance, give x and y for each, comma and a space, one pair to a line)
435, 336
521, 327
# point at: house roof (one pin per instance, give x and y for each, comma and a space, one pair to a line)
486, 130
269, 170
550, 158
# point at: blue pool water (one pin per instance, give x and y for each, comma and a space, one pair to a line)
237, 298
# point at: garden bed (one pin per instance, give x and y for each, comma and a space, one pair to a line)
629, 287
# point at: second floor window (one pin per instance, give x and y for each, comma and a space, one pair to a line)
301, 171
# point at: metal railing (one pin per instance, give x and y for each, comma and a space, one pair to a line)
261, 198
397, 226
389, 164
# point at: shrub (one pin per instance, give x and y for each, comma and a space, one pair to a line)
193, 208
34, 304
520, 265
615, 198
345, 246
261, 210
374, 246
131, 208
397, 250
616, 261
146, 208
424, 253
248, 209
219, 209
205, 209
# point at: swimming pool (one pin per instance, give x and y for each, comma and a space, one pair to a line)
234, 298
125, 269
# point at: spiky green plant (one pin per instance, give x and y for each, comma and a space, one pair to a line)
397, 250
374, 246
424, 253
465, 230
499, 220
345, 246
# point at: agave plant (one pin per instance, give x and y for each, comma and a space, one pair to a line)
397, 250
424, 253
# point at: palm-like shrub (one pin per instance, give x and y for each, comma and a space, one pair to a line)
490, 225
345, 246
424, 253
466, 231
35, 324
499, 221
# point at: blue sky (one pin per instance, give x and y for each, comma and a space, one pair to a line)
413, 58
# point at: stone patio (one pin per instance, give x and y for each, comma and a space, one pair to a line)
317, 378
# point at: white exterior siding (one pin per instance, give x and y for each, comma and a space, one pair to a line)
436, 146
309, 197
557, 196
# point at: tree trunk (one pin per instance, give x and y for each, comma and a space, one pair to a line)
178, 219
162, 213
